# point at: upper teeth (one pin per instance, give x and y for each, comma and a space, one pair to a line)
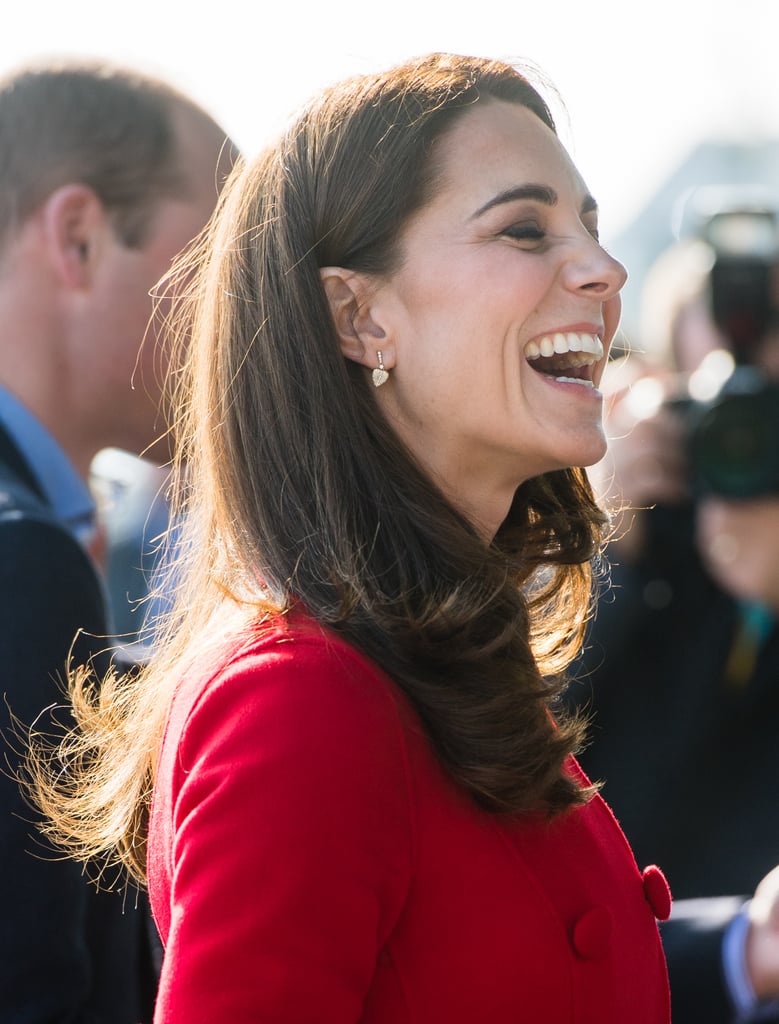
559, 344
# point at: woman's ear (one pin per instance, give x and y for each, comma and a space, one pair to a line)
349, 297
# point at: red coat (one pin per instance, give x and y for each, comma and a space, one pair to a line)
310, 863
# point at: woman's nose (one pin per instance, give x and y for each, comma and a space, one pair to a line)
594, 271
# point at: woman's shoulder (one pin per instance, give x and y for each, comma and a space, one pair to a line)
290, 679
291, 651
285, 747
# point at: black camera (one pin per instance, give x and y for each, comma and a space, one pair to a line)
733, 440
734, 437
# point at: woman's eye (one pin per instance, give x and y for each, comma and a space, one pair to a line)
593, 230
524, 232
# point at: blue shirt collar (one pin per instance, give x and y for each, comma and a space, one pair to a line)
68, 495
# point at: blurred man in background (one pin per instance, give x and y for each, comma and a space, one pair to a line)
105, 175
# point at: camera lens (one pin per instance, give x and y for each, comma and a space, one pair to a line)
735, 444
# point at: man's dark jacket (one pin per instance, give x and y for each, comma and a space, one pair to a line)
68, 953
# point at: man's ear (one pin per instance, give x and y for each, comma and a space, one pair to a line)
360, 335
75, 225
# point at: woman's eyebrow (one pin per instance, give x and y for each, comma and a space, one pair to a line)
539, 193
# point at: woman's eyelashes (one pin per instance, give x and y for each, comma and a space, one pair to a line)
531, 232
593, 230
525, 232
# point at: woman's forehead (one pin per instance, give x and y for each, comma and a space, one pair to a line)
496, 146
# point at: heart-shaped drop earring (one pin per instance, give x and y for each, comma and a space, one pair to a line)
379, 376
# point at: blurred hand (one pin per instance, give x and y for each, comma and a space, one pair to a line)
739, 544
645, 464
762, 946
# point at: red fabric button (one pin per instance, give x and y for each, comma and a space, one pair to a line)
592, 933
657, 892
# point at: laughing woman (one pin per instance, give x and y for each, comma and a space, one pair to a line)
345, 777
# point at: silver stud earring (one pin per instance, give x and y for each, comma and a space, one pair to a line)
380, 375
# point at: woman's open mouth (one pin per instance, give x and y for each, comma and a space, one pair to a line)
567, 357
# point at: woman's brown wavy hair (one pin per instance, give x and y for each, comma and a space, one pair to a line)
294, 489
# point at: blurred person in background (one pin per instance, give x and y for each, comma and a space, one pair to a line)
105, 175
681, 667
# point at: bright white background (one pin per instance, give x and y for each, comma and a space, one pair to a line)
642, 83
